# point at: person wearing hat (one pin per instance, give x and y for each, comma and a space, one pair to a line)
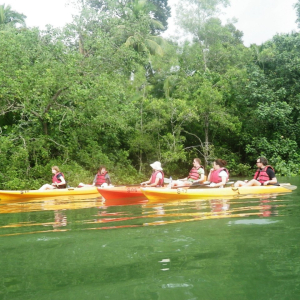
157, 177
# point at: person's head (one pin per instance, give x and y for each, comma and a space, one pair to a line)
261, 161
197, 162
101, 170
219, 163
55, 169
156, 166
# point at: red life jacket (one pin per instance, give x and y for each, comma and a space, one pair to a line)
214, 175
194, 173
262, 175
100, 178
55, 179
153, 178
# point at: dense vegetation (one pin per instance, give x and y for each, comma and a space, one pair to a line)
107, 89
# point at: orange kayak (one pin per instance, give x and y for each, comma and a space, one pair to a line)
121, 192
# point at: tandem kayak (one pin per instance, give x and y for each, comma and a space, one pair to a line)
157, 195
31, 194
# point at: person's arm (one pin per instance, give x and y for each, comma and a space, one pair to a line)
222, 183
62, 180
146, 182
208, 177
272, 181
157, 178
156, 182
107, 179
95, 178
201, 179
201, 175
271, 174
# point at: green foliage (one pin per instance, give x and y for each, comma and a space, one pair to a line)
107, 90
234, 165
286, 168
158, 10
10, 17
282, 153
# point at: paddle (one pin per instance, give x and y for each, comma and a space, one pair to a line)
288, 186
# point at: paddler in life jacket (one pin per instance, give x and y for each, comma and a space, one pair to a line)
58, 180
196, 175
102, 178
264, 175
157, 177
218, 175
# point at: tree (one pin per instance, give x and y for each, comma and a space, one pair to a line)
9, 16
158, 10
297, 7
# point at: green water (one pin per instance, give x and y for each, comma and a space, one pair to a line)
212, 249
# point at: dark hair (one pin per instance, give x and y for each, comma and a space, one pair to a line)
220, 162
100, 168
263, 160
198, 160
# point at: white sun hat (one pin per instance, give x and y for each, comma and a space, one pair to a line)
156, 166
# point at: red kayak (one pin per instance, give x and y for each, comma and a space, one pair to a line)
122, 195
120, 192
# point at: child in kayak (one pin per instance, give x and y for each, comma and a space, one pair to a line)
102, 178
58, 180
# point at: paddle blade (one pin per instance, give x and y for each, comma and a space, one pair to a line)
288, 186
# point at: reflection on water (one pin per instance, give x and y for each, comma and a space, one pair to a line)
240, 248
60, 214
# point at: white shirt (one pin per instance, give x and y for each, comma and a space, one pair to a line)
223, 174
159, 175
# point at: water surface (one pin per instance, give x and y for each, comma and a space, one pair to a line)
241, 248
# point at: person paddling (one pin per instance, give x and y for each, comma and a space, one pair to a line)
58, 180
157, 177
264, 175
218, 175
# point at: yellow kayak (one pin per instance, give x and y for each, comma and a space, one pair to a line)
31, 194
157, 195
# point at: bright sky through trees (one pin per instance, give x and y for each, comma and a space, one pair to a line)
259, 20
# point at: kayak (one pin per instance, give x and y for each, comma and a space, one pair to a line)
121, 192
157, 195
31, 194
